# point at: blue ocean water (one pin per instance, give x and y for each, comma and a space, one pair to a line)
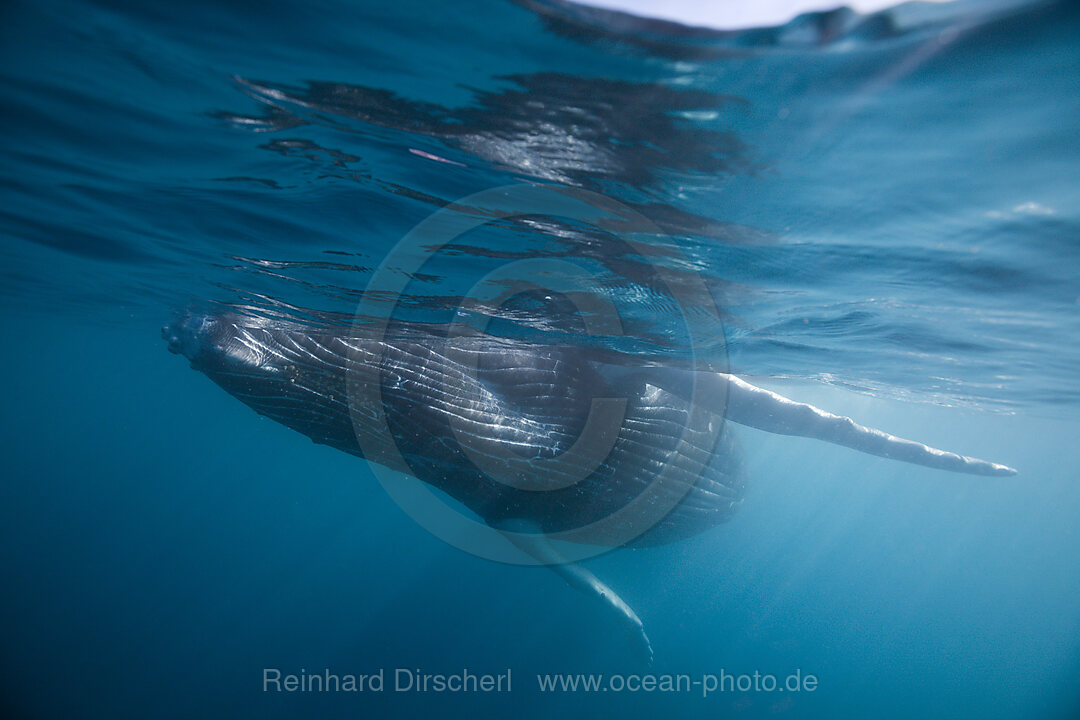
884, 207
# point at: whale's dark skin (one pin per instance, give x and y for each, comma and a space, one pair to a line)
537, 397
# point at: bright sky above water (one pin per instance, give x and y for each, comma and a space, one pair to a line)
734, 13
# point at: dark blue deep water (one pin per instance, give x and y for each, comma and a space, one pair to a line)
886, 208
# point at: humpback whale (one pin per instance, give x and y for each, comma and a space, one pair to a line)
457, 407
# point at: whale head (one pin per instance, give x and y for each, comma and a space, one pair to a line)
215, 340
186, 333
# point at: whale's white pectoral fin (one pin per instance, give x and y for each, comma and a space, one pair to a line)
765, 410
539, 547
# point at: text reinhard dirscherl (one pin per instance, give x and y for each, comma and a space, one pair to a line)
402, 680
414, 680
